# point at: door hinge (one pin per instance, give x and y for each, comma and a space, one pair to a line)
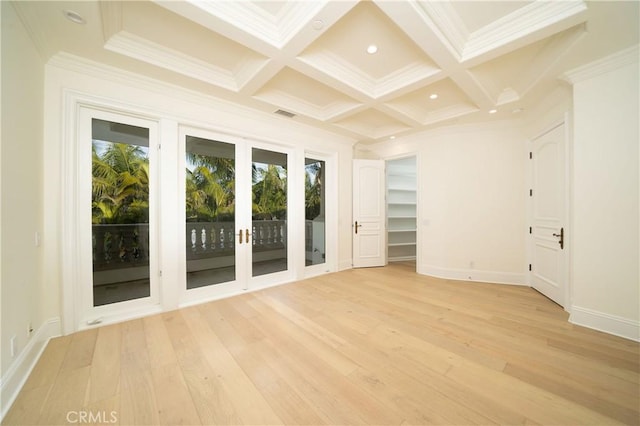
159, 147
159, 273
529, 266
530, 230
530, 155
531, 193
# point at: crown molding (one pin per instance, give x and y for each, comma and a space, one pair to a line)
111, 16
519, 24
403, 77
136, 47
72, 63
251, 19
337, 68
442, 16
601, 66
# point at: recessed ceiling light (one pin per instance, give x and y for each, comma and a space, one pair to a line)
392, 137
74, 17
433, 96
371, 49
493, 111
517, 110
318, 24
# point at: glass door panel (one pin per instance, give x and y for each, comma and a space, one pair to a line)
314, 188
210, 212
269, 193
120, 212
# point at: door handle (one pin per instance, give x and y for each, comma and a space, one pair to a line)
356, 226
240, 237
561, 236
247, 236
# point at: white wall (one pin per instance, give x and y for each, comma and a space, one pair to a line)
606, 256
471, 200
21, 193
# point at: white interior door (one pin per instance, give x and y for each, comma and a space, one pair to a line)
368, 213
548, 207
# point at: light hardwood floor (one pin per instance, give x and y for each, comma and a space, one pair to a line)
367, 346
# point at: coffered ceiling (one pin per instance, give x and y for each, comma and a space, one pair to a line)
435, 62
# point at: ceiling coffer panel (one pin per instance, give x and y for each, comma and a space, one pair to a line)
299, 93
343, 52
187, 49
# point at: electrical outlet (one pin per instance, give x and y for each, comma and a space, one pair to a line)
12, 345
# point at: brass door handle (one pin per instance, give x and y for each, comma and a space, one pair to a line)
356, 226
240, 237
247, 236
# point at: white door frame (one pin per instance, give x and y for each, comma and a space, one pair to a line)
79, 311
566, 215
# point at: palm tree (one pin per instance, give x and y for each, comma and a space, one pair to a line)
120, 184
270, 192
210, 188
313, 189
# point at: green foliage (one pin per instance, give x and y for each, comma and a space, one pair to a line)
269, 193
120, 187
120, 184
313, 189
210, 189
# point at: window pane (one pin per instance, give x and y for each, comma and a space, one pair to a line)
210, 212
269, 193
314, 211
120, 212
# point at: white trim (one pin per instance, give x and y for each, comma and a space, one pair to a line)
18, 372
474, 275
607, 323
602, 66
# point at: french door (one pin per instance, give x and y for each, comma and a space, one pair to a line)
235, 211
117, 216
232, 200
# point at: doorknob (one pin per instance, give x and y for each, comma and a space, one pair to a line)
240, 237
247, 234
561, 236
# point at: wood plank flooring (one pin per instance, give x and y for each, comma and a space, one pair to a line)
367, 346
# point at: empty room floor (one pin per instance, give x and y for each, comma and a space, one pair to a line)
363, 346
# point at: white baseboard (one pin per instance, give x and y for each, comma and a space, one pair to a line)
473, 275
607, 323
18, 372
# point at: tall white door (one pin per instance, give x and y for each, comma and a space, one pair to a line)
116, 231
368, 213
548, 212
235, 213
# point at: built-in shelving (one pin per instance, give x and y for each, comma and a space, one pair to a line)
401, 209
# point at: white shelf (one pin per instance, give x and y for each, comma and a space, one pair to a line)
401, 209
